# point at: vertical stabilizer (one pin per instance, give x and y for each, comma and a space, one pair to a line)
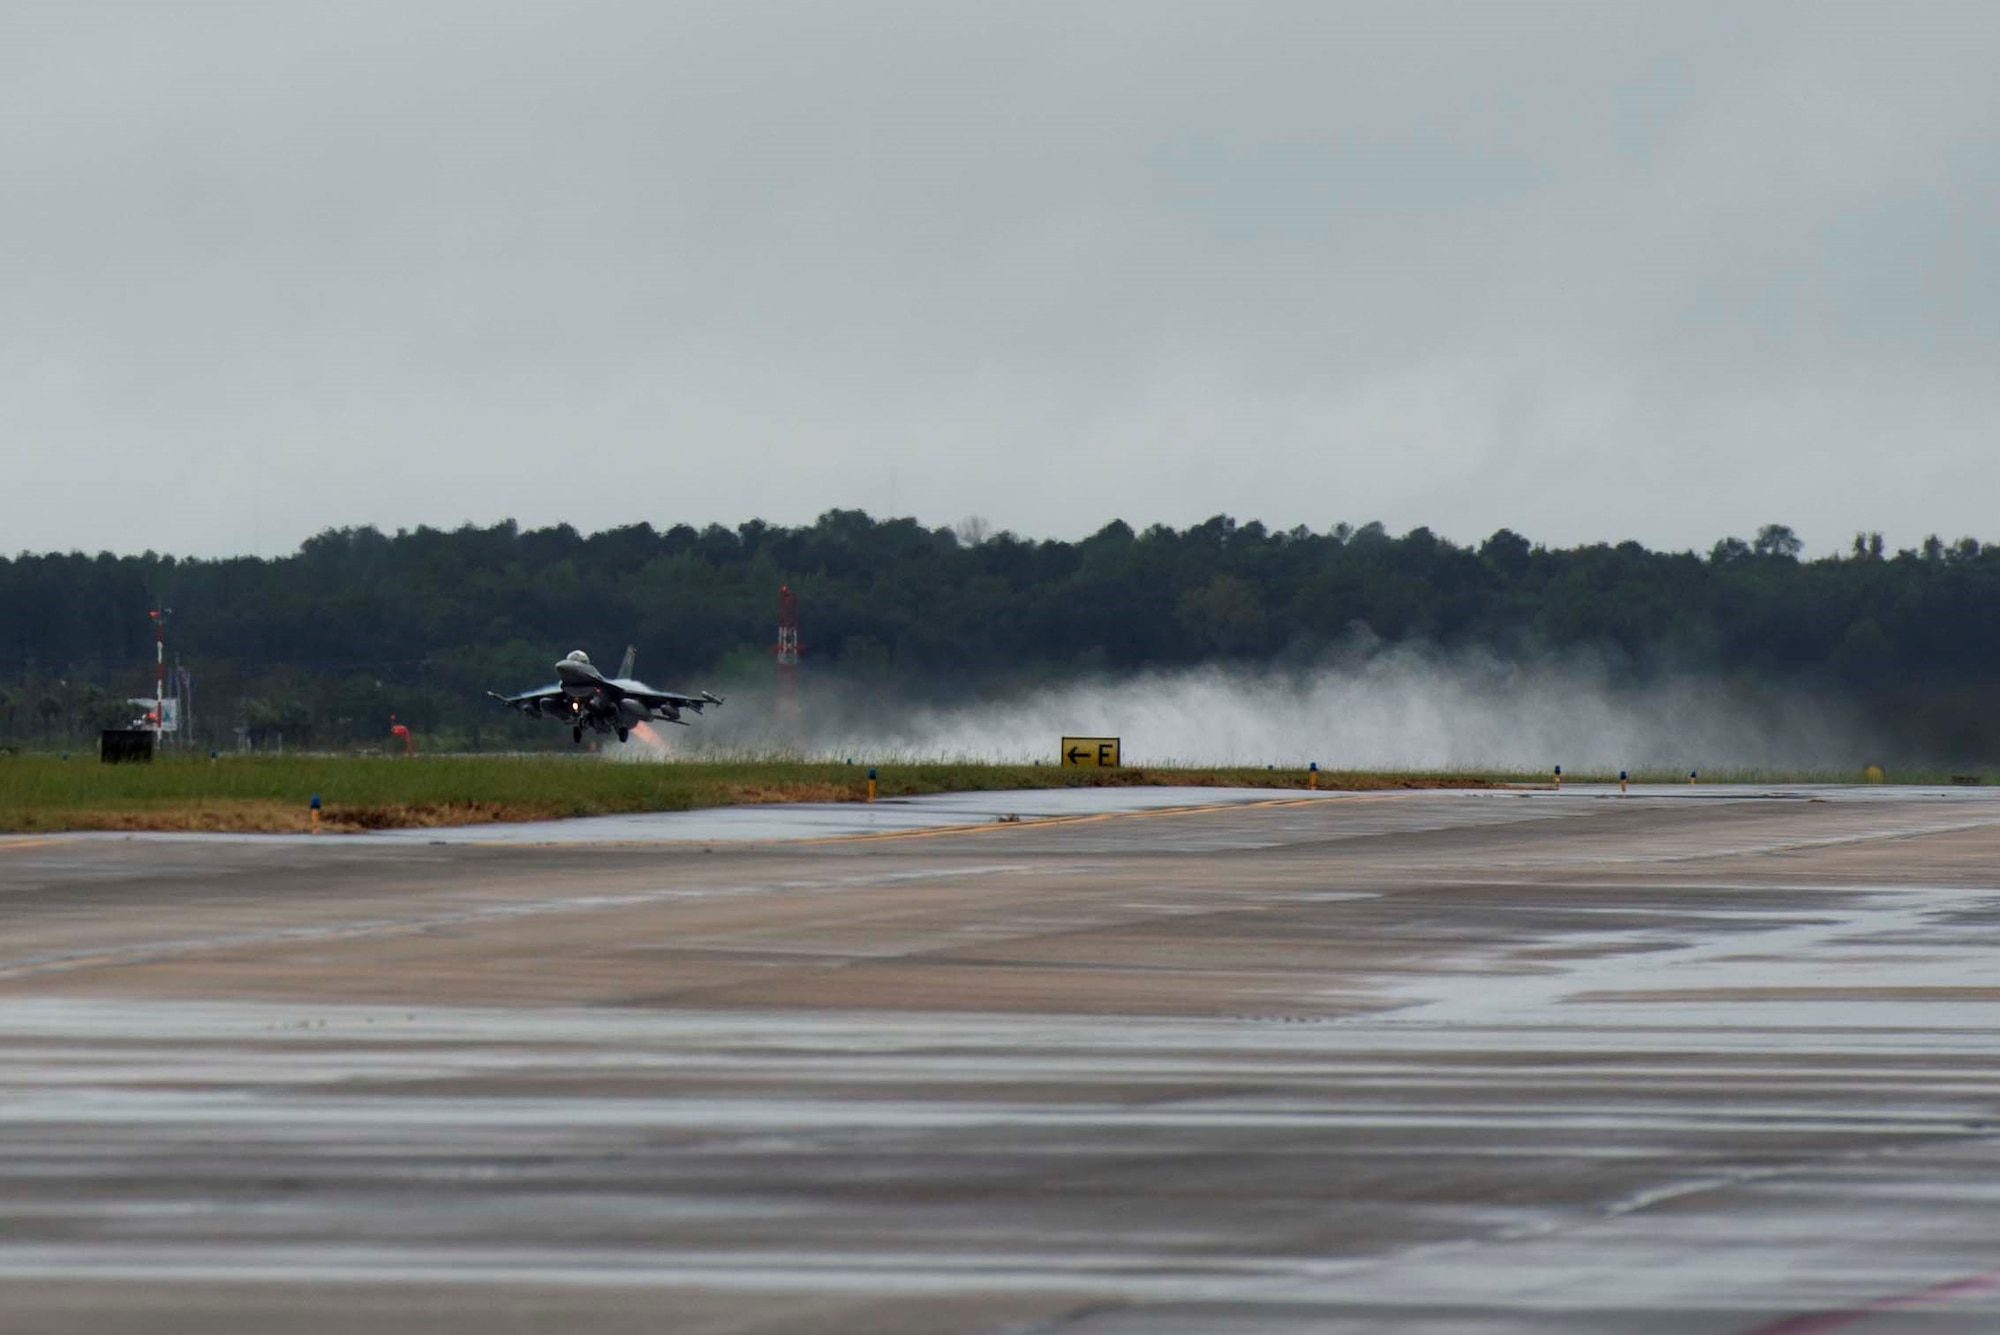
625, 663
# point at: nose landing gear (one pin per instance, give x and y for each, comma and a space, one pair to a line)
576, 733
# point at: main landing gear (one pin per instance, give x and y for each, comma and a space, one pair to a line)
623, 733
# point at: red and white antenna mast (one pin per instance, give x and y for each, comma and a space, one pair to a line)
159, 616
788, 653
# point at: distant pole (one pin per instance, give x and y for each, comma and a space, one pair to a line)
1312, 776
1621, 783
788, 655
159, 616
871, 783
315, 813
1559, 778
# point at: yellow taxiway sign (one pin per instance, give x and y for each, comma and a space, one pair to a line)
1090, 753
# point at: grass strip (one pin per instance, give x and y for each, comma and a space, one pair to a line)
43, 794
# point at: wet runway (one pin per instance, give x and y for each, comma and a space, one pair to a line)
1692, 1060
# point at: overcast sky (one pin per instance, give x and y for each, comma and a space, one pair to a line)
1590, 271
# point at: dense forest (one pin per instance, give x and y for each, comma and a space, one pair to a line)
323, 645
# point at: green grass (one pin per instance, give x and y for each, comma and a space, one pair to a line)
44, 793
1922, 775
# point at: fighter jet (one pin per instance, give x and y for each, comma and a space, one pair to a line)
586, 698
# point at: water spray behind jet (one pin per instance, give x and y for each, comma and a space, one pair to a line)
1394, 710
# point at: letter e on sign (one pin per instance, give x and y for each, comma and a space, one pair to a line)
1090, 753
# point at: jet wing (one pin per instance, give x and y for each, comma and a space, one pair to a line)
655, 699
530, 702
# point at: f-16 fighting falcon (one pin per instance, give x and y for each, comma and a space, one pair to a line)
586, 698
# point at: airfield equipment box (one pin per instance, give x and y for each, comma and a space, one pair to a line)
119, 746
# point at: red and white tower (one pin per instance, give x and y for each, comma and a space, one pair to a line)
159, 719
788, 654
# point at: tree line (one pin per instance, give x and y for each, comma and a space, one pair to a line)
322, 645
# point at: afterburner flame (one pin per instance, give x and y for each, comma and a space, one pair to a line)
645, 744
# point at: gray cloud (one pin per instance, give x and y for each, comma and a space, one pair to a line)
1590, 270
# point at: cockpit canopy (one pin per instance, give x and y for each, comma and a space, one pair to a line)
577, 656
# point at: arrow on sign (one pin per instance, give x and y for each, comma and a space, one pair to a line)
1077, 755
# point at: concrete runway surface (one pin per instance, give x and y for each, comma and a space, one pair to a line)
1694, 1060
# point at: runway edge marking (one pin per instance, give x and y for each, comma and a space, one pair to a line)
36, 840
1039, 823
1258, 804
983, 827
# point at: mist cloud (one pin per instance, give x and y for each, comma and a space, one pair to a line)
1403, 708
